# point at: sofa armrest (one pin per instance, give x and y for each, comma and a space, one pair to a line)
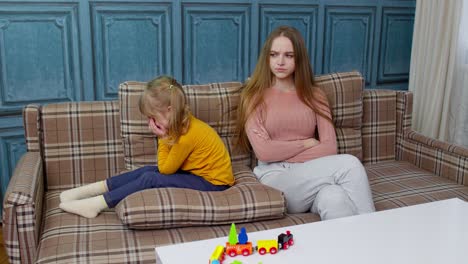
441, 158
22, 209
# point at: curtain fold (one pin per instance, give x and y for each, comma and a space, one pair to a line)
457, 125
438, 73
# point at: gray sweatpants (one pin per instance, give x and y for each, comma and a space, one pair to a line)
333, 186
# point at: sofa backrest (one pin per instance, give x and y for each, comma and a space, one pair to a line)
31, 122
344, 93
81, 143
213, 103
379, 125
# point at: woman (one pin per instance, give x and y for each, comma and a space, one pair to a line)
280, 112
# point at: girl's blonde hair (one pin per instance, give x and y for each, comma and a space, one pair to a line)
160, 93
253, 91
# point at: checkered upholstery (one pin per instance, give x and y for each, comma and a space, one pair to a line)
68, 238
404, 110
445, 160
440, 158
379, 126
213, 103
403, 167
81, 143
140, 145
246, 201
22, 209
344, 93
399, 183
31, 116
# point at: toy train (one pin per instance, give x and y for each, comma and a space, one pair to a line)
241, 246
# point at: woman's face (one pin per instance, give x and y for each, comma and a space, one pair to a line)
282, 63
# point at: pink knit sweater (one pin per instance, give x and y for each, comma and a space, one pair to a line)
277, 133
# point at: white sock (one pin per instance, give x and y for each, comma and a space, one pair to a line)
86, 191
89, 207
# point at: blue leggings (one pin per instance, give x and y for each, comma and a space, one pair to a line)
120, 186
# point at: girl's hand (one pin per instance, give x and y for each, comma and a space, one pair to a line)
157, 129
311, 142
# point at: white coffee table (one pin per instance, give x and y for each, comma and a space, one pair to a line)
427, 233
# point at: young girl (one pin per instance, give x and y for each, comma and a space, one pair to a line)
280, 111
190, 155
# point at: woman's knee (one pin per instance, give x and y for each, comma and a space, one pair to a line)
332, 201
295, 206
332, 195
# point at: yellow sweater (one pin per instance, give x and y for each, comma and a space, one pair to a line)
200, 151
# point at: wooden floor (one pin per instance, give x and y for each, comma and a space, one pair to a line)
3, 255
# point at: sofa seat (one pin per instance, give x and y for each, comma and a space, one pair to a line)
68, 238
399, 183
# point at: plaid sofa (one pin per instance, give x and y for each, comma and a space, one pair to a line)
70, 144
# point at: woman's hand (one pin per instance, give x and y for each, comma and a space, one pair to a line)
262, 133
157, 129
311, 142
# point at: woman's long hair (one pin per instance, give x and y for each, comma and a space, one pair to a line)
253, 91
160, 93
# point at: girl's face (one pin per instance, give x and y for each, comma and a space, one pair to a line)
161, 117
282, 63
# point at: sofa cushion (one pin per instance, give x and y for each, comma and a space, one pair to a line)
246, 201
212, 103
398, 183
344, 93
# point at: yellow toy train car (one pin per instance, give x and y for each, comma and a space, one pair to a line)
217, 256
267, 246
272, 246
